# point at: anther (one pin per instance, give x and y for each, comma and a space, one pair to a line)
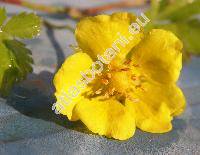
105, 81
138, 86
98, 91
133, 99
133, 77
143, 89
109, 75
100, 74
142, 78
127, 62
106, 95
136, 65
125, 69
111, 92
109, 67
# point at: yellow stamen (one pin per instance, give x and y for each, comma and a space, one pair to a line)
98, 91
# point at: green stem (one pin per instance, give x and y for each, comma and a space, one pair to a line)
49, 24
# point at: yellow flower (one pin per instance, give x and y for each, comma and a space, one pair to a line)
136, 89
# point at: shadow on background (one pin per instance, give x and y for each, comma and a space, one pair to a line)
152, 143
35, 96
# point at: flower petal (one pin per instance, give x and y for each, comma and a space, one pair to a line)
152, 120
156, 106
96, 34
159, 55
106, 117
66, 77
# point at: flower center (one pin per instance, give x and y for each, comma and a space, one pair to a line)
120, 82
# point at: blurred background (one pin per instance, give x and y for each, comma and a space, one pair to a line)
29, 126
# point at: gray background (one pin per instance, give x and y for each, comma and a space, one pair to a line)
28, 126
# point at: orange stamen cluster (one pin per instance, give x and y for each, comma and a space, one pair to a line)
107, 89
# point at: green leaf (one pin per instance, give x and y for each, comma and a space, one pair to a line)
23, 26
160, 9
15, 64
7, 67
22, 55
180, 11
190, 35
163, 5
168, 6
2, 16
154, 9
16, 61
